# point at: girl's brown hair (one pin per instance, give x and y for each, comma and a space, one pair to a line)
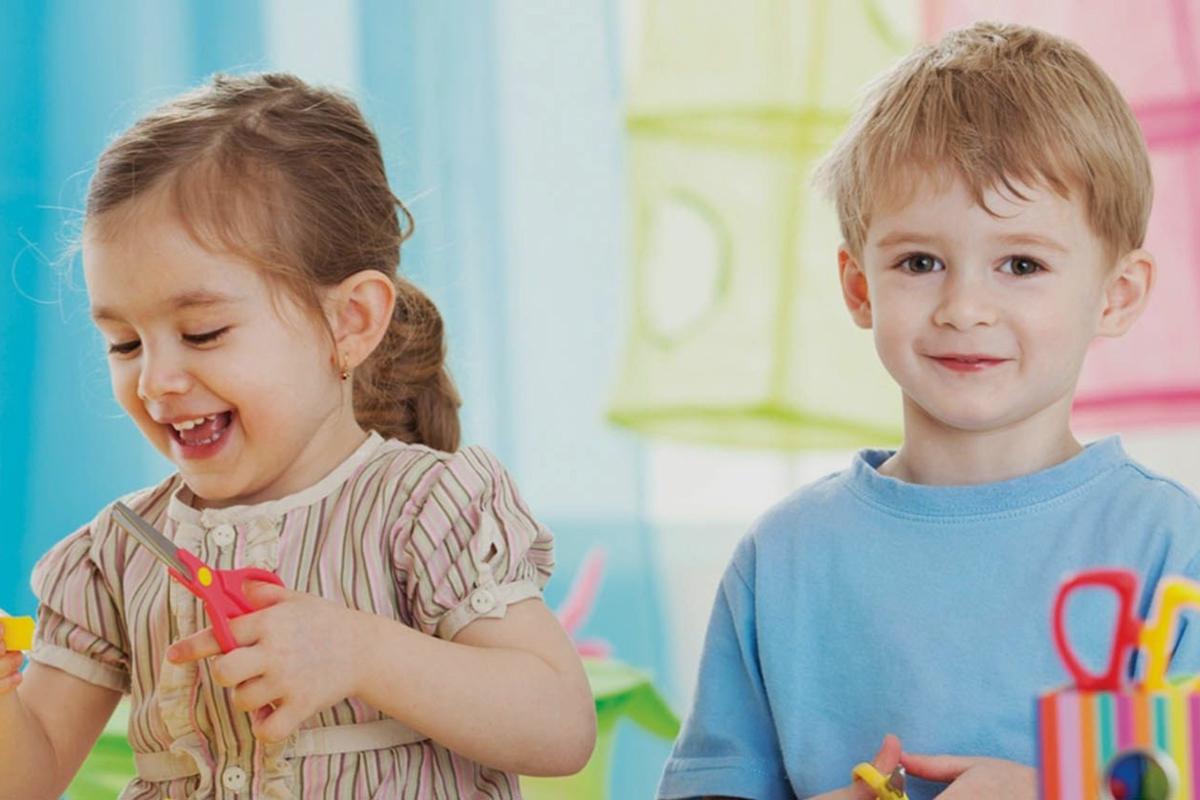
991, 103
291, 178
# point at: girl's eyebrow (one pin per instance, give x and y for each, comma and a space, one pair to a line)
190, 299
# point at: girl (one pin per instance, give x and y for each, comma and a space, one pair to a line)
240, 250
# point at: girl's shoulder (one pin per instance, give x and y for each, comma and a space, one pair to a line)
416, 471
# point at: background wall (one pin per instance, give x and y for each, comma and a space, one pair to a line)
509, 128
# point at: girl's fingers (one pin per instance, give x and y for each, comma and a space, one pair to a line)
237, 666
274, 725
10, 663
253, 695
7, 684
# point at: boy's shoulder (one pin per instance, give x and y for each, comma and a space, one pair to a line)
822, 504
1162, 487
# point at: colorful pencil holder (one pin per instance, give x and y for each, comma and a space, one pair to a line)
1108, 736
1131, 745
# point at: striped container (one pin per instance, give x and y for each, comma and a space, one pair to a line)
1082, 736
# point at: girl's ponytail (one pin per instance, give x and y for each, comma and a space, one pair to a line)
404, 390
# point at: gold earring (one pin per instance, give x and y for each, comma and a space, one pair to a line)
345, 373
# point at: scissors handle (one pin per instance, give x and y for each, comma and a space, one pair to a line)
223, 593
868, 774
1128, 627
1159, 634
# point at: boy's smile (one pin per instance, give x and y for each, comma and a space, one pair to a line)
983, 320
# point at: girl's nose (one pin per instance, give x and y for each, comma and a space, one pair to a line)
965, 302
162, 374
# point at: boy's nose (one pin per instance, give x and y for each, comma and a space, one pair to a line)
963, 304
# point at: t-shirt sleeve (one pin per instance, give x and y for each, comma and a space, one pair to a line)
474, 547
80, 627
728, 745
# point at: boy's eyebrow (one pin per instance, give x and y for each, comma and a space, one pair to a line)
902, 237
189, 299
1032, 238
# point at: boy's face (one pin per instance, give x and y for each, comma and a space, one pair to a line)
194, 335
984, 320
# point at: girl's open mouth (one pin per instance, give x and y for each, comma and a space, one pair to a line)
203, 436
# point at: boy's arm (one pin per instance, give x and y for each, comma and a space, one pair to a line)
728, 746
47, 727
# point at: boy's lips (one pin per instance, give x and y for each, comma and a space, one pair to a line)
966, 362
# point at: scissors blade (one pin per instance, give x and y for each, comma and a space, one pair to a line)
162, 547
896, 780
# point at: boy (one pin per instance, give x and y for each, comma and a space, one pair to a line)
993, 195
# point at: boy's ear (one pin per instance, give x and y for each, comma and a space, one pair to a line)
359, 311
1126, 292
854, 288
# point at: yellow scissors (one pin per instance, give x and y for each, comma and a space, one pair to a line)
887, 787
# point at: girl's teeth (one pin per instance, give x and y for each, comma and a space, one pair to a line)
191, 423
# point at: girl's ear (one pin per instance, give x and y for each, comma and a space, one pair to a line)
360, 311
1126, 292
854, 288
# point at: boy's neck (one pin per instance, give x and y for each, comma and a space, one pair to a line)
936, 455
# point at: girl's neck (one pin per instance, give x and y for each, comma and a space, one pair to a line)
329, 447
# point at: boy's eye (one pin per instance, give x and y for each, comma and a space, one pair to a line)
920, 263
123, 348
1020, 265
205, 338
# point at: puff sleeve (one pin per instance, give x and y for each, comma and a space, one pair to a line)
80, 624
473, 548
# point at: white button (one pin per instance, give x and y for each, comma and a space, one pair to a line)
482, 601
234, 779
224, 535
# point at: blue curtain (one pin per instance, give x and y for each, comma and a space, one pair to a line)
502, 127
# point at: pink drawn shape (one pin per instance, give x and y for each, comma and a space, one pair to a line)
581, 599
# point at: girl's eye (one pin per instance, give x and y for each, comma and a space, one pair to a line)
123, 348
205, 338
920, 263
1020, 265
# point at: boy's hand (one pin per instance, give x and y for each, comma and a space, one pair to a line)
886, 760
10, 666
296, 656
973, 778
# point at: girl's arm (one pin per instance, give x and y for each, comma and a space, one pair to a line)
47, 727
510, 693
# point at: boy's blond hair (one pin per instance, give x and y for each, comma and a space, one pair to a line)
994, 103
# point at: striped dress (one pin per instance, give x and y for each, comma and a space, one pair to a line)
431, 539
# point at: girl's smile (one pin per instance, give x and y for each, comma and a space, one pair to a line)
225, 374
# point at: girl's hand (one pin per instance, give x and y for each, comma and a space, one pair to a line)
886, 760
10, 666
296, 655
975, 778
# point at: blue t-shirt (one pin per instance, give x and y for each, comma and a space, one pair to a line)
863, 605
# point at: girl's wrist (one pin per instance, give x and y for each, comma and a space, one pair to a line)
372, 635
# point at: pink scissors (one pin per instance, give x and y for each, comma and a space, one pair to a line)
220, 589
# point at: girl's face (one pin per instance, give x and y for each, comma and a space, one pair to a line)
227, 377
